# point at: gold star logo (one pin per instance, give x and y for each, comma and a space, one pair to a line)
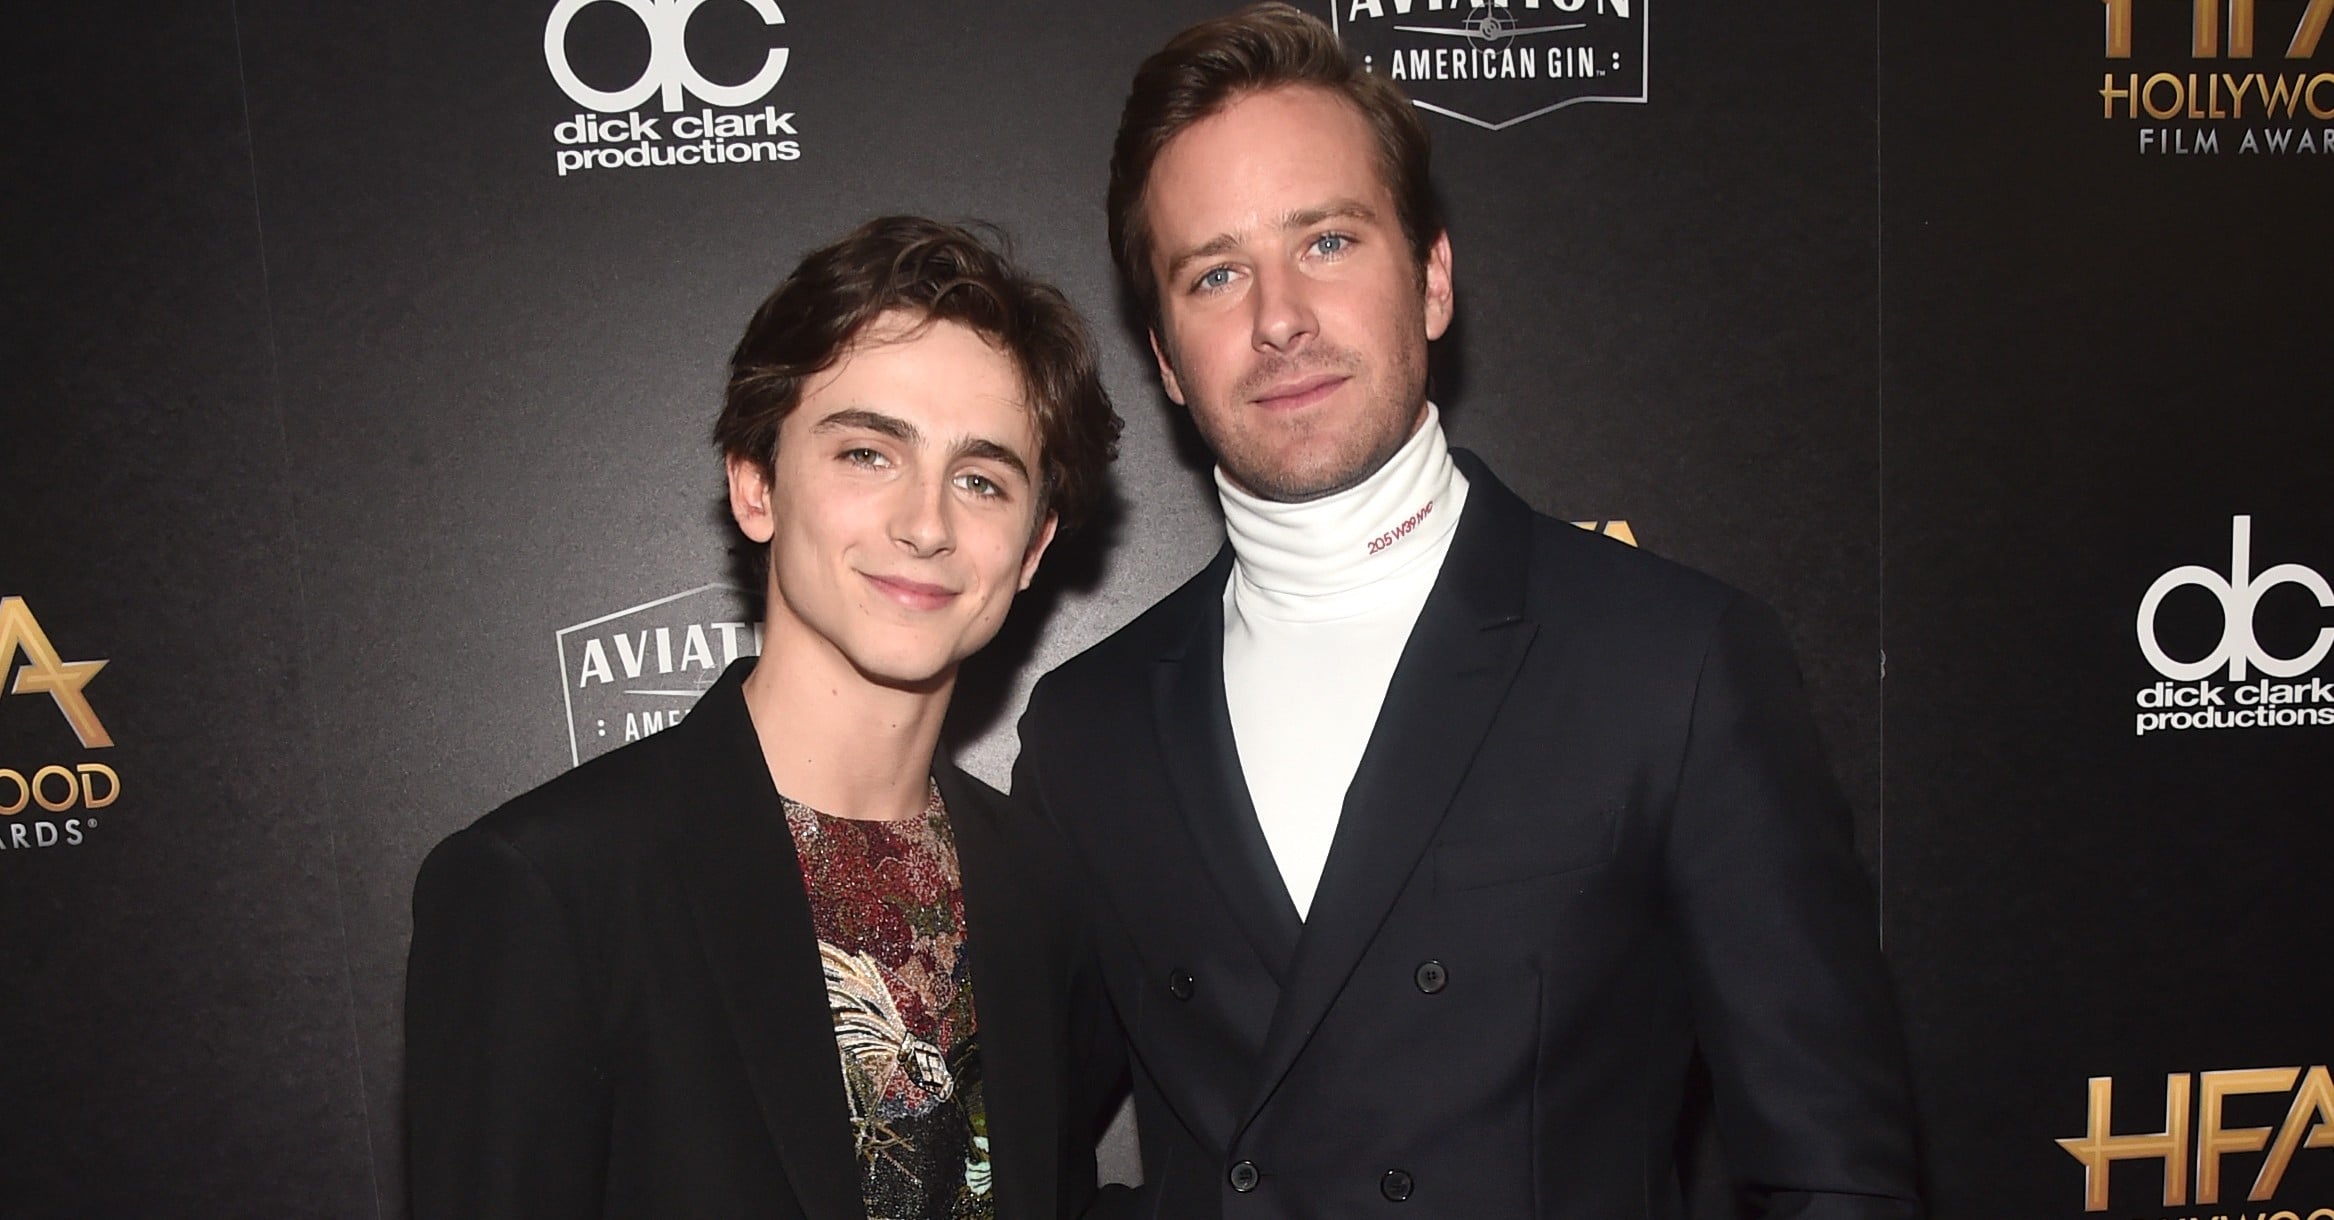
45, 673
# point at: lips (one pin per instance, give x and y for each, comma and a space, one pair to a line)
1300, 392
912, 594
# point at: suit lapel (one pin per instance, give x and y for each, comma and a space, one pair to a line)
1016, 995
1462, 655
745, 895
1203, 766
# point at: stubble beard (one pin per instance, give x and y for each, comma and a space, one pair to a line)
1248, 457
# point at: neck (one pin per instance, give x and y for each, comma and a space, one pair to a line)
1383, 526
836, 740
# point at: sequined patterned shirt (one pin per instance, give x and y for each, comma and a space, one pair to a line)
887, 905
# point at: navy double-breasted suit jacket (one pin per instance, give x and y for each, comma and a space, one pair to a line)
1591, 832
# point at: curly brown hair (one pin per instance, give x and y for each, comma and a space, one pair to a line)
941, 273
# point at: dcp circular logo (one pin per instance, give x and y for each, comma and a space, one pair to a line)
669, 71
2240, 594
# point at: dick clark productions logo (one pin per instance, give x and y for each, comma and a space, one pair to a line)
2231, 686
618, 134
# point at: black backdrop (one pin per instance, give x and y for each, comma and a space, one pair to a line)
343, 426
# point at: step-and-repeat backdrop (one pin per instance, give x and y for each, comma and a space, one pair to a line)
361, 362
2107, 535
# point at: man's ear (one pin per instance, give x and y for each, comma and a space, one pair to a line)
1166, 370
1038, 542
749, 498
1438, 286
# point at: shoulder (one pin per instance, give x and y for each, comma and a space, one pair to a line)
1105, 668
1599, 589
570, 830
1012, 857
991, 819
1616, 583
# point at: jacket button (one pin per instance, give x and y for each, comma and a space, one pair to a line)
1395, 1185
1431, 977
1179, 984
1243, 1176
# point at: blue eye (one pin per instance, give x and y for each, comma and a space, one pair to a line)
1332, 244
1213, 278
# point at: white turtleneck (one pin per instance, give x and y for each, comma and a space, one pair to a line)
1321, 601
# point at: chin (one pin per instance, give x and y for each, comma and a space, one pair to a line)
916, 679
907, 669
1296, 478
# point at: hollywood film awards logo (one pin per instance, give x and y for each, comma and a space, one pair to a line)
48, 800
696, 120
2211, 79
639, 670
2218, 1124
2239, 682
1496, 63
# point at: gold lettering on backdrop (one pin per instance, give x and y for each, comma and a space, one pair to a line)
45, 673
2096, 1148
2281, 92
2313, 1109
2179, 96
113, 785
2308, 1123
2313, 26
2212, 1139
2205, 29
2216, 95
80, 788
40, 789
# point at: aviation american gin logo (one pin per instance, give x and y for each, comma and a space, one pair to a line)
1496, 63
639, 670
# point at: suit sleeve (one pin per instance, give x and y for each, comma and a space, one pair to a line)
1102, 1083
1777, 926
506, 1110
1099, 1041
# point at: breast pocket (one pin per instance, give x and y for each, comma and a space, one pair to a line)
1529, 854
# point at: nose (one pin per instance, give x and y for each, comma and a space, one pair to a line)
919, 521
1284, 312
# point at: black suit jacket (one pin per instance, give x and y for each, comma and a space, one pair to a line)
1591, 830
614, 1005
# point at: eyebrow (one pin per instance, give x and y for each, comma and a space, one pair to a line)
1302, 218
977, 447
860, 418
